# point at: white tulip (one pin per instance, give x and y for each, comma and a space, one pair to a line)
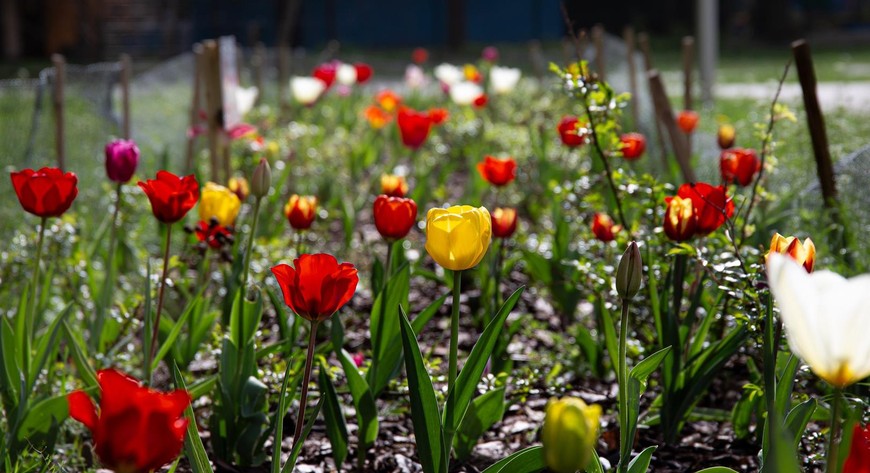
306, 90
824, 316
503, 79
345, 74
245, 98
415, 78
448, 74
465, 93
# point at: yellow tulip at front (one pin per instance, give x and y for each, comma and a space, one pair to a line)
219, 203
457, 237
569, 434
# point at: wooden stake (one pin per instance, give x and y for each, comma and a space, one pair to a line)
58, 102
283, 76
213, 104
815, 120
688, 63
643, 42
666, 116
628, 36
126, 74
598, 39
194, 106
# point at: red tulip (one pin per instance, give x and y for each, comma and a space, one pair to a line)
632, 145
603, 227
679, 219
420, 55
393, 185
504, 222
394, 216
318, 286
438, 115
137, 430
739, 165
122, 158
712, 206
301, 211
171, 196
48, 192
481, 101
326, 72
858, 460
213, 234
569, 133
363, 72
725, 136
687, 120
497, 171
414, 127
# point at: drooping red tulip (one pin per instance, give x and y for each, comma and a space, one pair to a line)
604, 228
712, 205
739, 165
687, 120
122, 159
633, 145
497, 171
137, 430
569, 133
858, 460
394, 216
171, 196
363, 72
326, 72
316, 286
504, 222
48, 192
414, 127
301, 211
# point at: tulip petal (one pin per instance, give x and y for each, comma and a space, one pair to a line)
82, 409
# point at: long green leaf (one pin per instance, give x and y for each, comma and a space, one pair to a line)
424, 406
47, 345
336, 427
637, 377
193, 447
484, 411
717, 469
640, 463
363, 401
594, 465
297, 447
278, 418
86, 371
176, 330
466, 381
529, 460
384, 328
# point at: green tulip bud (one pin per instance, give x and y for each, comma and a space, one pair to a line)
261, 181
569, 434
629, 273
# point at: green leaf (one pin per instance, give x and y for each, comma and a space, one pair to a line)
797, 419
637, 377
47, 345
475, 364
424, 406
717, 469
609, 333
484, 411
10, 376
169, 342
640, 463
594, 465
297, 447
85, 371
194, 450
426, 314
250, 313
363, 401
384, 327
336, 428
284, 401
529, 460
43, 419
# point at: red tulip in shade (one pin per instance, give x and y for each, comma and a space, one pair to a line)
48, 192
687, 120
569, 133
504, 222
213, 234
420, 55
739, 165
497, 171
481, 101
632, 145
122, 158
711, 205
438, 115
858, 460
316, 286
326, 72
301, 211
363, 72
604, 228
394, 216
679, 219
414, 127
137, 430
171, 196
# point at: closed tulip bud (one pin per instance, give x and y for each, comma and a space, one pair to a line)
802, 253
604, 228
629, 273
739, 166
261, 180
569, 132
239, 186
394, 216
457, 237
122, 158
687, 120
504, 222
632, 145
725, 136
569, 434
394, 185
679, 219
301, 211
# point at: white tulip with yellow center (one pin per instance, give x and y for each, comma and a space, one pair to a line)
824, 316
503, 80
465, 93
448, 74
346, 74
306, 90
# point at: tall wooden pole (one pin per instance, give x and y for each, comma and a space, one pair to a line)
666, 116
688, 65
708, 47
598, 39
643, 42
213, 104
628, 36
194, 108
58, 102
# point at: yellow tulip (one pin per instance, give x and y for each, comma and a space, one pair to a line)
803, 253
219, 203
458, 237
569, 434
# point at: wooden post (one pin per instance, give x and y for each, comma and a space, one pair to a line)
598, 39
58, 101
688, 63
628, 36
283, 76
213, 104
816, 121
708, 46
666, 116
126, 73
194, 107
643, 42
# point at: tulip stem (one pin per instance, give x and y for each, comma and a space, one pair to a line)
496, 278
453, 362
623, 388
306, 379
34, 301
106, 298
833, 443
160, 294
244, 289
